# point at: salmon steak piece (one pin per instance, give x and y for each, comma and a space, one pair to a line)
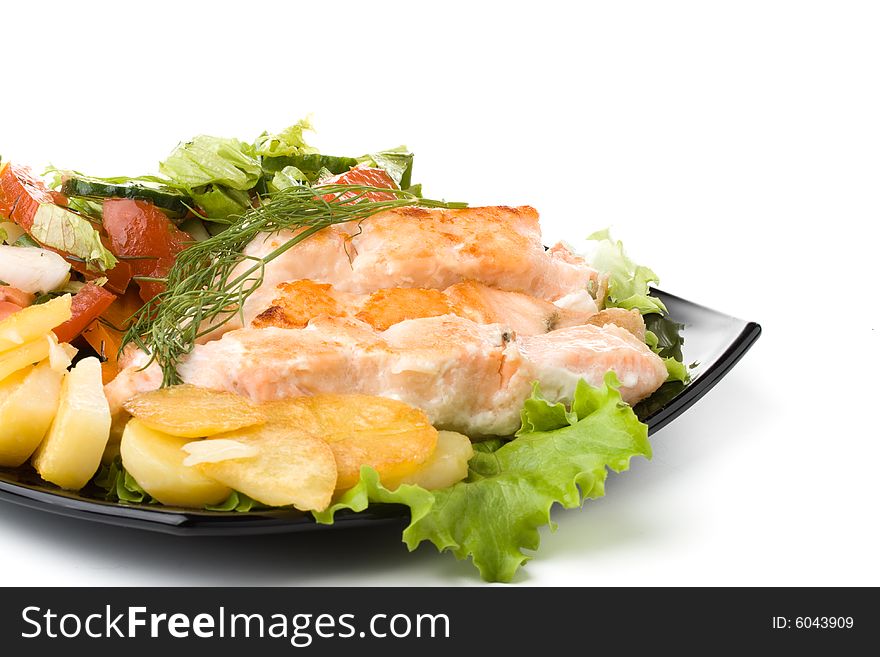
433, 248
296, 303
497, 246
468, 377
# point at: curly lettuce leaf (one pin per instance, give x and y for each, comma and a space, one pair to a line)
289, 141
68, 232
560, 456
206, 160
369, 489
628, 282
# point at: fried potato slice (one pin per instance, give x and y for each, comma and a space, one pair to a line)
294, 412
28, 403
291, 467
191, 412
388, 435
447, 466
155, 460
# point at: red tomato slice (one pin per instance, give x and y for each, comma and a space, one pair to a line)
21, 194
118, 278
85, 307
362, 176
140, 231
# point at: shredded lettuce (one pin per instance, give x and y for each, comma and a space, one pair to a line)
628, 282
238, 502
119, 486
560, 456
289, 141
289, 176
66, 231
628, 287
676, 370
206, 160
664, 337
219, 202
397, 163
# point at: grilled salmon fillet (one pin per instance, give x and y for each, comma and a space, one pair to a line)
468, 377
298, 302
431, 248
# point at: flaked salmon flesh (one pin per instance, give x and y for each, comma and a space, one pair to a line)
298, 302
466, 376
434, 248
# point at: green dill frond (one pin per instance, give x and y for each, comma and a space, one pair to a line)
206, 287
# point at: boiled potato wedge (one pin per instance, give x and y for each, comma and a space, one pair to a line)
291, 467
388, 435
33, 322
447, 466
71, 451
155, 460
190, 412
24, 356
28, 403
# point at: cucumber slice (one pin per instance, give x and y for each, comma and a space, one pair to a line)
165, 198
309, 164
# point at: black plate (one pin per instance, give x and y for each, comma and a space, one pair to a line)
713, 340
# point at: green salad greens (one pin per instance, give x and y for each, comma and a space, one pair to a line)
627, 282
560, 456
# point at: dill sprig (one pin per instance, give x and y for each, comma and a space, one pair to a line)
205, 287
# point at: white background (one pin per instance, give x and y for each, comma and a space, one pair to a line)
735, 147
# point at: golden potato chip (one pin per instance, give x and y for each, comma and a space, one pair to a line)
190, 412
294, 412
388, 435
291, 467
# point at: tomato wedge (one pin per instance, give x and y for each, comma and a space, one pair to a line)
118, 278
362, 176
86, 306
22, 194
107, 340
141, 232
